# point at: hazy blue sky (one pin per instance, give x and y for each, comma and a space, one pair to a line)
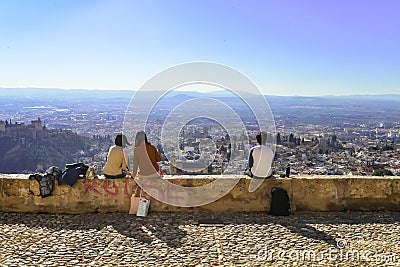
285, 47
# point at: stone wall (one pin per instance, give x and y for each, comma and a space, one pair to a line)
313, 193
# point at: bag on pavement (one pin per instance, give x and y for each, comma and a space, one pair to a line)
135, 201
280, 205
143, 208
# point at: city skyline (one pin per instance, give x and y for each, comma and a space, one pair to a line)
315, 135
305, 48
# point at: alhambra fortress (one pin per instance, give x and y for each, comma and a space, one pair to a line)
34, 130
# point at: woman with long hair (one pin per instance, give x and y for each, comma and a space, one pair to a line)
116, 165
145, 157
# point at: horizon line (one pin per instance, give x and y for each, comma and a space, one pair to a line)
203, 92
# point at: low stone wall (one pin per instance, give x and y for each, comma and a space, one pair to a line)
313, 193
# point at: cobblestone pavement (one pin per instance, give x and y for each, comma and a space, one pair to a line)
201, 239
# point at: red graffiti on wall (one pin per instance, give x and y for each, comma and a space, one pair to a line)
127, 194
105, 187
108, 187
90, 185
163, 192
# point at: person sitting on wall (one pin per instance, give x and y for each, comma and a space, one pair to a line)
116, 166
260, 158
145, 158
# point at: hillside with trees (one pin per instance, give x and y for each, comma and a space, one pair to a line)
59, 147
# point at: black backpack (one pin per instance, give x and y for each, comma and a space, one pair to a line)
280, 205
71, 173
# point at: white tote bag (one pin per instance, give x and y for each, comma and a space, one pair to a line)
143, 208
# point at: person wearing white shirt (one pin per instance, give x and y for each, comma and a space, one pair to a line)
260, 158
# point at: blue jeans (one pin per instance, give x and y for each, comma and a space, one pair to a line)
122, 175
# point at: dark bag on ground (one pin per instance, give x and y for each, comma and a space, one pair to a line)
71, 173
280, 203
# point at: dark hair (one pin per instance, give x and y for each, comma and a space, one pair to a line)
262, 138
140, 137
121, 140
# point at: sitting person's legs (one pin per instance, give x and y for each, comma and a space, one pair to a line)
122, 175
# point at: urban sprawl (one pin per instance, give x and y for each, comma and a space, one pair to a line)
367, 148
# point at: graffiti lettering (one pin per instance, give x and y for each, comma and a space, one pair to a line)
105, 187
90, 185
163, 193
127, 194
167, 192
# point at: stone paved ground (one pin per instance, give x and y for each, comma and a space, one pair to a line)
202, 239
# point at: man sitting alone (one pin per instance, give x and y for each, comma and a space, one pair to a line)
260, 158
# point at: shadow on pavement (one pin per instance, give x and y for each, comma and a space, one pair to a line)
166, 227
143, 229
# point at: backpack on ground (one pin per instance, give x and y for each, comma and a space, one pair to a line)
280, 205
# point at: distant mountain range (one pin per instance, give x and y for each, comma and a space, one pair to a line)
104, 94
293, 109
62, 93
